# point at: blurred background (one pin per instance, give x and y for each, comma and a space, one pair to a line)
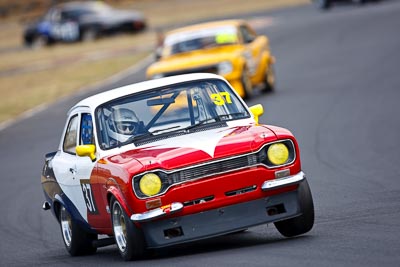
37, 68
337, 90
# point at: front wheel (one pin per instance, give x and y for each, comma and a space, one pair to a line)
303, 223
129, 239
76, 240
269, 79
246, 84
38, 41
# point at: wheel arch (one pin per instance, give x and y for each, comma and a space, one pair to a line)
62, 201
113, 191
58, 202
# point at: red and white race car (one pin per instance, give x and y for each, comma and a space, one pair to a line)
169, 161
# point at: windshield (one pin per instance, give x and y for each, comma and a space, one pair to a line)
74, 11
199, 39
166, 112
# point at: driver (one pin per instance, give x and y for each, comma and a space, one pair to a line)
122, 124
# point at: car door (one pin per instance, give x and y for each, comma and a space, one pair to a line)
73, 172
84, 165
62, 27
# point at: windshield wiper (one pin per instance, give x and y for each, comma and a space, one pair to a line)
230, 115
217, 119
161, 130
135, 138
202, 123
141, 136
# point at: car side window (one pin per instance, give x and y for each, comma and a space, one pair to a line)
70, 138
86, 133
248, 35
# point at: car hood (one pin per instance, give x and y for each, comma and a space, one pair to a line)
195, 148
194, 59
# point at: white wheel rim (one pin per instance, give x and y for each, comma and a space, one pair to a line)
119, 226
66, 226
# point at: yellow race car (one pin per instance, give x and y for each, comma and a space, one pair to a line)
230, 48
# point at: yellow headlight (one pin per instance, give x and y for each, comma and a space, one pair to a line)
278, 154
150, 184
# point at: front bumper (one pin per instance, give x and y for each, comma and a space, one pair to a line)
223, 220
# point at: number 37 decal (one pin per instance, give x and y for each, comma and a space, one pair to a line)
221, 98
88, 196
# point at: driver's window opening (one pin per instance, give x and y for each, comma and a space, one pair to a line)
86, 133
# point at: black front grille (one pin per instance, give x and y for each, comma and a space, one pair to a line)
209, 169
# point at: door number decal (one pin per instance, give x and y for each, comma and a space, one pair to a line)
88, 196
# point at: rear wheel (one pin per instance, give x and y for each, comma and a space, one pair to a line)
76, 240
88, 34
322, 4
129, 239
303, 223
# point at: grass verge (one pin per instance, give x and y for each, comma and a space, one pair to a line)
34, 88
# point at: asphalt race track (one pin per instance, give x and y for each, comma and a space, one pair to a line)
338, 91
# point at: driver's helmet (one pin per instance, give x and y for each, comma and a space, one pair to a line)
122, 124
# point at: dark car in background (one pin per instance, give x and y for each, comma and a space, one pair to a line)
81, 21
325, 4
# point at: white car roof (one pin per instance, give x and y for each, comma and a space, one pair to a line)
94, 101
183, 36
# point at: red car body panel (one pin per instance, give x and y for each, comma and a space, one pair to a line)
113, 174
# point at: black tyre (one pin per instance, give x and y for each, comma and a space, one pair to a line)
76, 240
303, 223
269, 79
322, 4
38, 41
359, 2
129, 239
88, 34
246, 84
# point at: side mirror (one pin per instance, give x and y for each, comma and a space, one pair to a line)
86, 151
257, 111
250, 39
157, 53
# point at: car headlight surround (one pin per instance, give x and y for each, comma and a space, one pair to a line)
278, 154
150, 184
225, 67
